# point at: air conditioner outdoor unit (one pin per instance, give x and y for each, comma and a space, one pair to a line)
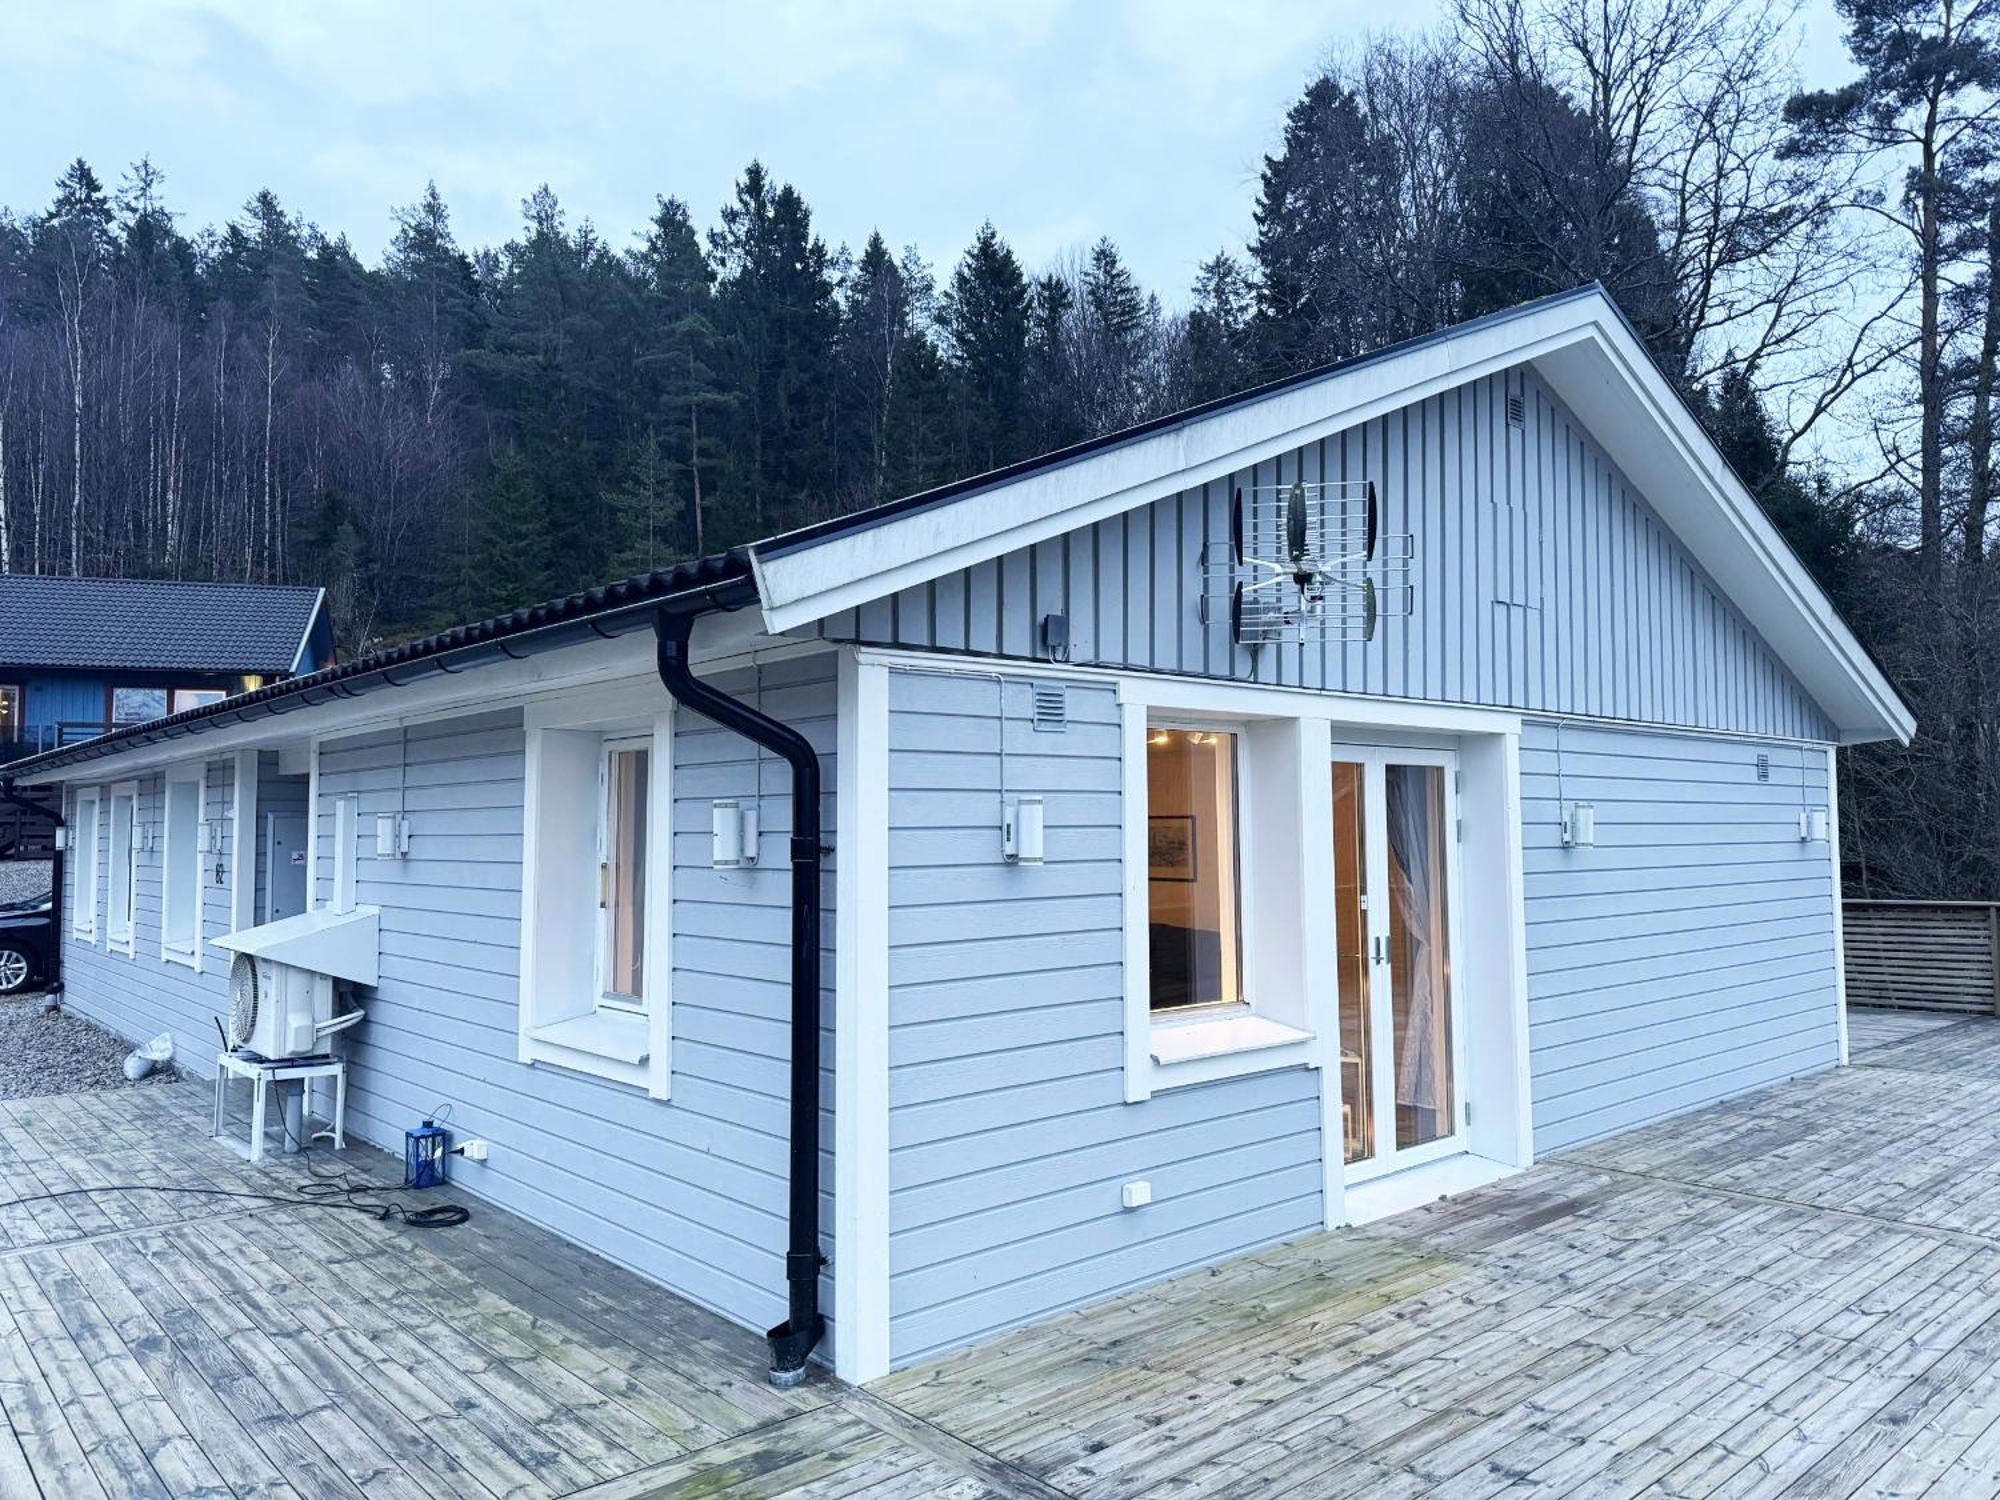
281, 980
276, 1009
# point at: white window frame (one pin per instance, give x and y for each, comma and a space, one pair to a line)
1272, 1026
80, 843
126, 939
177, 864
563, 1018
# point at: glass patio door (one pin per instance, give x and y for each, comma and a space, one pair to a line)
1395, 855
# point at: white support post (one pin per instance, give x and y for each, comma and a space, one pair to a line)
243, 843
861, 1025
1839, 915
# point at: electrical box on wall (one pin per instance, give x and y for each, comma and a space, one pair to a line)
1813, 825
392, 835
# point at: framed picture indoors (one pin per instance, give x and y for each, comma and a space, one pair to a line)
1170, 847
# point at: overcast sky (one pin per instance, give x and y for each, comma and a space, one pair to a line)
1059, 119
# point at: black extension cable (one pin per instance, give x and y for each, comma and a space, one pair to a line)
336, 1189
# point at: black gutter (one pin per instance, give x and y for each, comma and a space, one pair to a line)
792, 1341
54, 987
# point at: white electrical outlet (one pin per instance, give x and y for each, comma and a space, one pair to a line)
472, 1150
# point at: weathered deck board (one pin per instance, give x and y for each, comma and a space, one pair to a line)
1796, 1292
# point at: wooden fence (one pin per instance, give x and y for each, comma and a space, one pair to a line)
1924, 955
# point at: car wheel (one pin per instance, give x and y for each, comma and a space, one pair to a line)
15, 970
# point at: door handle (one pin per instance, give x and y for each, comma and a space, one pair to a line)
1378, 948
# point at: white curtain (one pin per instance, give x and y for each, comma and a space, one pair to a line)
1413, 877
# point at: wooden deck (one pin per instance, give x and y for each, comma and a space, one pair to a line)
1794, 1293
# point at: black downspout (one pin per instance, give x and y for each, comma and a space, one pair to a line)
54, 987
792, 1341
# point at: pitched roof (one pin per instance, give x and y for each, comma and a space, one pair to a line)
722, 580
150, 625
1580, 344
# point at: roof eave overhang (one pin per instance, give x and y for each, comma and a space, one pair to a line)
1582, 346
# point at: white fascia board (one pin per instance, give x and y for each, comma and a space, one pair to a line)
305, 636
1619, 395
797, 588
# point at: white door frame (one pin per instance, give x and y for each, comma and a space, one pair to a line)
1375, 759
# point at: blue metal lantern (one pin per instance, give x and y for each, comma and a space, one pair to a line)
426, 1156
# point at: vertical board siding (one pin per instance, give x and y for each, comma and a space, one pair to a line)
690, 1191
141, 996
1690, 954
1543, 582
1009, 1134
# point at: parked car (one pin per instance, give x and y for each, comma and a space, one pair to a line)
27, 943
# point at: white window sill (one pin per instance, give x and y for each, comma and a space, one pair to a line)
616, 1036
177, 955
1229, 1046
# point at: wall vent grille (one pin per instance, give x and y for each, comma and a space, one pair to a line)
1517, 412
1051, 706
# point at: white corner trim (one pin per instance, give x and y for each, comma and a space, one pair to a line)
861, 1024
1839, 912
1137, 903
243, 842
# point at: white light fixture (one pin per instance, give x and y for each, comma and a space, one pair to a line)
1580, 826
207, 837
62, 839
735, 834
1136, 1194
1021, 832
392, 835
1812, 825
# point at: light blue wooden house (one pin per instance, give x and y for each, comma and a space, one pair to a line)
1254, 823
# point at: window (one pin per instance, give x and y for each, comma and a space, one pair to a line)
122, 900
181, 869
595, 859
621, 873
80, 845
10, 711
1194, 910
1215, 973
184, 699
135, 705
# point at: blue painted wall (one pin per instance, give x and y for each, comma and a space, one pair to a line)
1009, 1132
1690, 954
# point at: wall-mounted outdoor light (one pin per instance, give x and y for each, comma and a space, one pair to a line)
1580, 826
1021, 832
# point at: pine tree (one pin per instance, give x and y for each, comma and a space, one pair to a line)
985, 321
1218, 329
680, 359
921, 436
509, 565
775, 307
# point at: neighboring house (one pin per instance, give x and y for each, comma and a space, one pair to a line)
79, 656
1142, 946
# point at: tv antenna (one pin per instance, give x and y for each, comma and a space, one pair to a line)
1306, 562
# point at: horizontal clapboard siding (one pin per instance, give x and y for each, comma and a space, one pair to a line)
1009, 1136
141, 996
1690, 954
1543, 581
690, 1191
1923, 955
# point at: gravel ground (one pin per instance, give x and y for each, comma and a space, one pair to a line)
43, 1053
22, 878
